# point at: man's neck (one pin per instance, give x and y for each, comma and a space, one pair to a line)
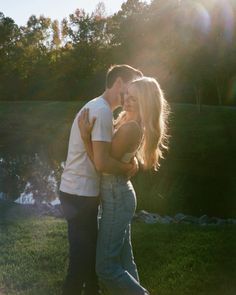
111, 99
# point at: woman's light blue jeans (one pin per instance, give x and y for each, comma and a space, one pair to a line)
115, 264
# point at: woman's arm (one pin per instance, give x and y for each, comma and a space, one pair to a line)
85, 131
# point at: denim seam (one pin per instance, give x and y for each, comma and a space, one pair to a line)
111, 231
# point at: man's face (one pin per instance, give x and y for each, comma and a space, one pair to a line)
123, 92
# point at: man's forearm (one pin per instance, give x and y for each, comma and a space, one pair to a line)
110, 165
114, 166
104, 162
107, 164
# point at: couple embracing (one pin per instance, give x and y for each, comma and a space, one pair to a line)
102, 157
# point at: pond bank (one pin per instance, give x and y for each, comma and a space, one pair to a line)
10, 209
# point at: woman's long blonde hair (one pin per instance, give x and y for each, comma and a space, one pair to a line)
154, 112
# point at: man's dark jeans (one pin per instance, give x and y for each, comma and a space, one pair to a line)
81, 215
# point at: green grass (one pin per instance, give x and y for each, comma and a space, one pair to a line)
172, 259
197, 176
29, 127
33, 256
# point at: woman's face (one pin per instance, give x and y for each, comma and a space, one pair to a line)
131, 101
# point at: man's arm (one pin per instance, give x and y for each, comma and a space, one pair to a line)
99, 151
105, 163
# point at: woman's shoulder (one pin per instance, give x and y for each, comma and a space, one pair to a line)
129, 126
131, 130
132, 126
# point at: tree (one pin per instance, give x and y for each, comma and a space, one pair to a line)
9, 38
56, 40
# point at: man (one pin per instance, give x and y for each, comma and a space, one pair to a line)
79, 189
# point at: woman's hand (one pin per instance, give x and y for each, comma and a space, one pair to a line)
134, 167
85, 126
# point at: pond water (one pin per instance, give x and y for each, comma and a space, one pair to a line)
28, 179
34, 178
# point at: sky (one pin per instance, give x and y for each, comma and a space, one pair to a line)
21, 10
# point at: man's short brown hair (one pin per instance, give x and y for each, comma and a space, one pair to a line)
125, 72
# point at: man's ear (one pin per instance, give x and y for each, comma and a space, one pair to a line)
119, 82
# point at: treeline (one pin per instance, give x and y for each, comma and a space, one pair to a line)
188, 45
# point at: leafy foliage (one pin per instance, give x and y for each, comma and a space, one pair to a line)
188, 45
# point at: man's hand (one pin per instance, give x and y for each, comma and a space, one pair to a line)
133, 168
85, 126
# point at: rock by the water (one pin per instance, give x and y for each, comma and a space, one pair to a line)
147, 217
181, 218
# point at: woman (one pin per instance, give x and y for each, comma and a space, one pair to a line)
139, 130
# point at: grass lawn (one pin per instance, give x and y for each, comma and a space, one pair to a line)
29, 127
172, 259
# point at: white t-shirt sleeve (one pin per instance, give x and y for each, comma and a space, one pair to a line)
102, 129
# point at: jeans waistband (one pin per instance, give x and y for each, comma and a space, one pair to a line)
114, 178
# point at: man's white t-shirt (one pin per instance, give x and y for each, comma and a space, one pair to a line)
80, 176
